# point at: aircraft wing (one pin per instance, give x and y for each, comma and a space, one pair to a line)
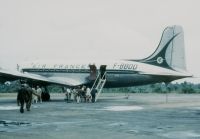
6, 75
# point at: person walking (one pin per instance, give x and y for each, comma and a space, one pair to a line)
93, 94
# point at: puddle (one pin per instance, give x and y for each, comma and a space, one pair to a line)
6, 108
11, 126
181, 135
123, 108
159, 128
13, 123
133, 131
9, 107
118, 124
195, 108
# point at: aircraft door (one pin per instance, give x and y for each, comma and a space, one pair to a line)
93, 72
102, 71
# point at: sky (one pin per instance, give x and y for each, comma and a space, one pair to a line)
94, 29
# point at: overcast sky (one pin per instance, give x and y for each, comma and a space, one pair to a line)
94, 29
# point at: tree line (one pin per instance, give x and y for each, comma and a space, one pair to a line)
185, 87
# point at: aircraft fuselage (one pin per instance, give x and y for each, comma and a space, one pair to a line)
120, 73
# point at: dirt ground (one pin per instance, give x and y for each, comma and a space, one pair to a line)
113, 116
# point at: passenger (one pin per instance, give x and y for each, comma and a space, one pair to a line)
93, 94
34, 96
73, 94
88, 95
78, 95
68, 94
65, 92
83, 93
24, 96
39, 93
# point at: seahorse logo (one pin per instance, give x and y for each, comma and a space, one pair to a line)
160, 60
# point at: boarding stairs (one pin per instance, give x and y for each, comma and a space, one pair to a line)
99, 84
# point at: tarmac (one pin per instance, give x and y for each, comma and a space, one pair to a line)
113, 116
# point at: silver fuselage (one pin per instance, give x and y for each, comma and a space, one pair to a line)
120, 73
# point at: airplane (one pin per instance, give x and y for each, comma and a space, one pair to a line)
165, 64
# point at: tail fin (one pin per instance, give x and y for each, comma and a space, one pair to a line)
170, 52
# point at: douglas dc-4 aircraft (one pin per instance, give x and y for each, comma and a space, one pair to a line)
166, 64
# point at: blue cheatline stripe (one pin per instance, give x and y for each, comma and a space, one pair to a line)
79, 71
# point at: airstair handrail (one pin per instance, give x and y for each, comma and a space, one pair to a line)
95, 81
99, 84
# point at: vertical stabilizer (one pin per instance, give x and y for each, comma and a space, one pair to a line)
170, 52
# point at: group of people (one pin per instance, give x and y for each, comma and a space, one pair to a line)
80, 94
27, 95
